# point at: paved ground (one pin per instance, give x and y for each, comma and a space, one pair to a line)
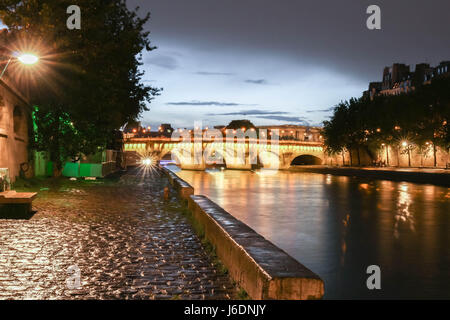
127, 242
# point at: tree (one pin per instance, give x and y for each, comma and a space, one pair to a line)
417, 120
89, 78
239, 124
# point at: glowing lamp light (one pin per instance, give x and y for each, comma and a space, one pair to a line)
147, 162
404, 143
28, 58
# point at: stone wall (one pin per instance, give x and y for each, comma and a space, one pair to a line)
394, 157
262, 269
14, 122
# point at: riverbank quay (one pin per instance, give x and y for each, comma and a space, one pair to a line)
437, 176
118, 234
262, 269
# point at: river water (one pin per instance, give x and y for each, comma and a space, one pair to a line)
338, 226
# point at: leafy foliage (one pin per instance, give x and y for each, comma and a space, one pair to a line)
90, 78
239, 124
421, 118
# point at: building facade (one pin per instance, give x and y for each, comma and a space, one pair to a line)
295, 132
15, 115
398, 78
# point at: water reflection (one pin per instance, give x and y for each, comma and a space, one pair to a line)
337, 226
403, 214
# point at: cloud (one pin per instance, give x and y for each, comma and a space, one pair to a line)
203, 103
285, 118
163, 61
321, 110
206, 73
264, 114
247, 113
257, 81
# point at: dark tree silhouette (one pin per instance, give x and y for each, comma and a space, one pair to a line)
88, 82
421, 117
239, 124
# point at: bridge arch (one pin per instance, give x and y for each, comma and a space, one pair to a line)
306, 159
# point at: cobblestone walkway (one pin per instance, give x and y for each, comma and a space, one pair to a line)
127, 242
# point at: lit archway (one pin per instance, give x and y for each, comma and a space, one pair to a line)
305, 160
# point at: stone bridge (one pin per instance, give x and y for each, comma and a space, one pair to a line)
232, 153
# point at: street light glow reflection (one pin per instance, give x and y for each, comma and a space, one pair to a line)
28, 58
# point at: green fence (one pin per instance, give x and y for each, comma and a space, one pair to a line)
98, 165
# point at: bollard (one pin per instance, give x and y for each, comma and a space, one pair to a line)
166, 193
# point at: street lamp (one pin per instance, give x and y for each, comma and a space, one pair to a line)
408, 149
25, 58
28, 58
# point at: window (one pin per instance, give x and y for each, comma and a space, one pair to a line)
17, 115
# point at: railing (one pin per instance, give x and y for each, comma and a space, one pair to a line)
225, 139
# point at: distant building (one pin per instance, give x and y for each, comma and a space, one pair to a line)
393, 75
398, 78
296, 132
374, 89
443, 69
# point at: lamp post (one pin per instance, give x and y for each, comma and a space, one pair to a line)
25, 58
408, 149
387, 153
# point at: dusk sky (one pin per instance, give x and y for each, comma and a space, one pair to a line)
279, 62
